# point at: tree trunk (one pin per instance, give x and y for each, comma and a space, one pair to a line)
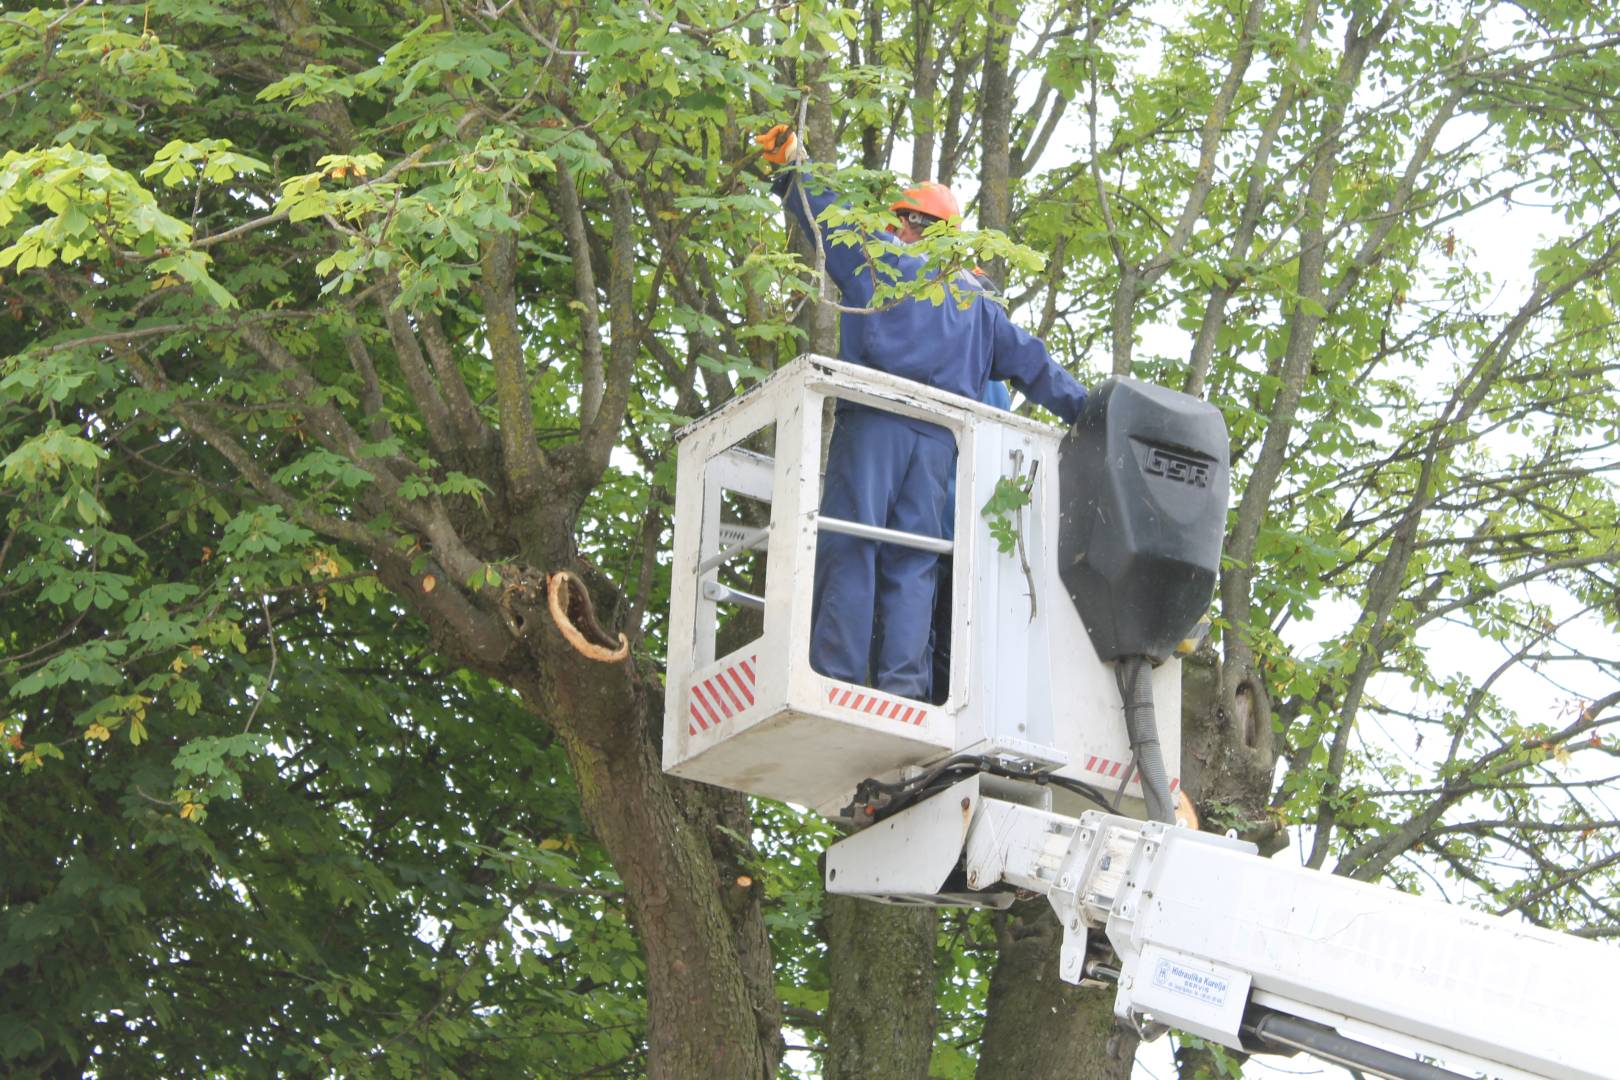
1037, 1026
880, 1003
873, 142
702, 1019
725, 818
819, 321
924, 81
995, 164
712, 1009
1228, 752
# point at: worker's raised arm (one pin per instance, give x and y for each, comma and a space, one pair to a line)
1021, 357
804, 202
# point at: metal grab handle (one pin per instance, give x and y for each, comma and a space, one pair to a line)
725, 594
935, 544
745, 540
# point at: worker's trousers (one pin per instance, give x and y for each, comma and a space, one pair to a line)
874, 601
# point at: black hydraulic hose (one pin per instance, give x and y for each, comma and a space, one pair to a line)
1136, 691
1318, 1040
905, 793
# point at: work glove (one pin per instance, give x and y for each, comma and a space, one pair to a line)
780, 145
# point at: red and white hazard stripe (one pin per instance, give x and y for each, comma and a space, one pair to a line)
1111, 769
722, 695
871, 703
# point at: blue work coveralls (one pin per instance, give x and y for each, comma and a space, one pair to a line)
874, 602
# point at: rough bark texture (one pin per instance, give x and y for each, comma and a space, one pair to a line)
1228, 755
880, 1007
725, 818
924, 80
819, 321
1039, 1026
995, 162
874, 148
711, 1003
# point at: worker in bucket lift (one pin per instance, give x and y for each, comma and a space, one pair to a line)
873, 605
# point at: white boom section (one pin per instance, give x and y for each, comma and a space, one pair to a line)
1208, 936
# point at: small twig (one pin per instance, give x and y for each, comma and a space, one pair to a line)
809, 214
652, 529
815, 231
1096, 172
270, 679
821, 251
411, 161
154, 799
125, 336
1018, 525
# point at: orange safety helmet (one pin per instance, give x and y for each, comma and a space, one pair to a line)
935, 200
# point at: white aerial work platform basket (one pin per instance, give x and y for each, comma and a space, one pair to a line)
752, 715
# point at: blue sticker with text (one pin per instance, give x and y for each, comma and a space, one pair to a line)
1203, 986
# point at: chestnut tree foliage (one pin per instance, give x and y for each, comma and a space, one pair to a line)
343, 344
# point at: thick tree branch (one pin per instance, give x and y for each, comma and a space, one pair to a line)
952, 136
592, 367
413, 366
598, 437
1236, 580
1029, 155
1215, 124
1254, 201
465, 419
924, 87
524, 462
995, 138
371, 401
334, 432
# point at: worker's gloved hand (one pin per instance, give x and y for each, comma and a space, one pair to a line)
780, 145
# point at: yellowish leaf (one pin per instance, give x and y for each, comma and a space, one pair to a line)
97, 731
429, 582
550, 844
324, 564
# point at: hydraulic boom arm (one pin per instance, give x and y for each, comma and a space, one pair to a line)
1203, 935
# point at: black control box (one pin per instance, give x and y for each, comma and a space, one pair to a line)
1144, 477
